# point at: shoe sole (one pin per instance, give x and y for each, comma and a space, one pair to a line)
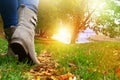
22, 55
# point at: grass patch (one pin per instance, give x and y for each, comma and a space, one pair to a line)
88, 61
3, 45
10, 70
91, 61
9, 67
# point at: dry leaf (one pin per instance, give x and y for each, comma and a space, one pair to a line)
118, 72
66, 76
37, 77
72, 64
48, 70
53, 78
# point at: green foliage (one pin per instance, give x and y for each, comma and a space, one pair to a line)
70, 12
108, 21
78, 13
47, 16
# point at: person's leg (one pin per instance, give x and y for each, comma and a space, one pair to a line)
31, 4
8, 10
9, 13
23, 38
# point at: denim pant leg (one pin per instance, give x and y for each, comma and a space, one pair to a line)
31, 4
9, 13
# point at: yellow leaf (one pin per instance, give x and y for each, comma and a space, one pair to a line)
118, 72
67, 76
53, 78
37, 77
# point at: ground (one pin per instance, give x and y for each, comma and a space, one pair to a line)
48, 69
86, 61
103, 38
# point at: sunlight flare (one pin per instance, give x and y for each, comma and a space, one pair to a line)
98, 5
63, 35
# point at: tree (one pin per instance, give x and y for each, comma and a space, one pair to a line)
108, 21
74, 12
78, 13
104, 15
47, 17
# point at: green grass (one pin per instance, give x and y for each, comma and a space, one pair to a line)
9, 67
91, 61
10, 70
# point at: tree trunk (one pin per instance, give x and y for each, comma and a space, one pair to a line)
73, 39
74, 36
80, 25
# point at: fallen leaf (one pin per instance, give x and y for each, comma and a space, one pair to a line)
53, 78
118, 72
67, 76
48, 70
72, 64
37, 77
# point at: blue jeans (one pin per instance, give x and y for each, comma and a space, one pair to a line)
31, 4
8, 11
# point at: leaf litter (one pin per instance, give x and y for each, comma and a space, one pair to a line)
48, 69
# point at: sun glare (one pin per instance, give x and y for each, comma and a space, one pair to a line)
97, 4
63, 35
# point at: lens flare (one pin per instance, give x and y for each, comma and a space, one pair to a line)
63, 35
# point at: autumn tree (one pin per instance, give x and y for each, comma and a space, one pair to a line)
78, 13
74, 12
